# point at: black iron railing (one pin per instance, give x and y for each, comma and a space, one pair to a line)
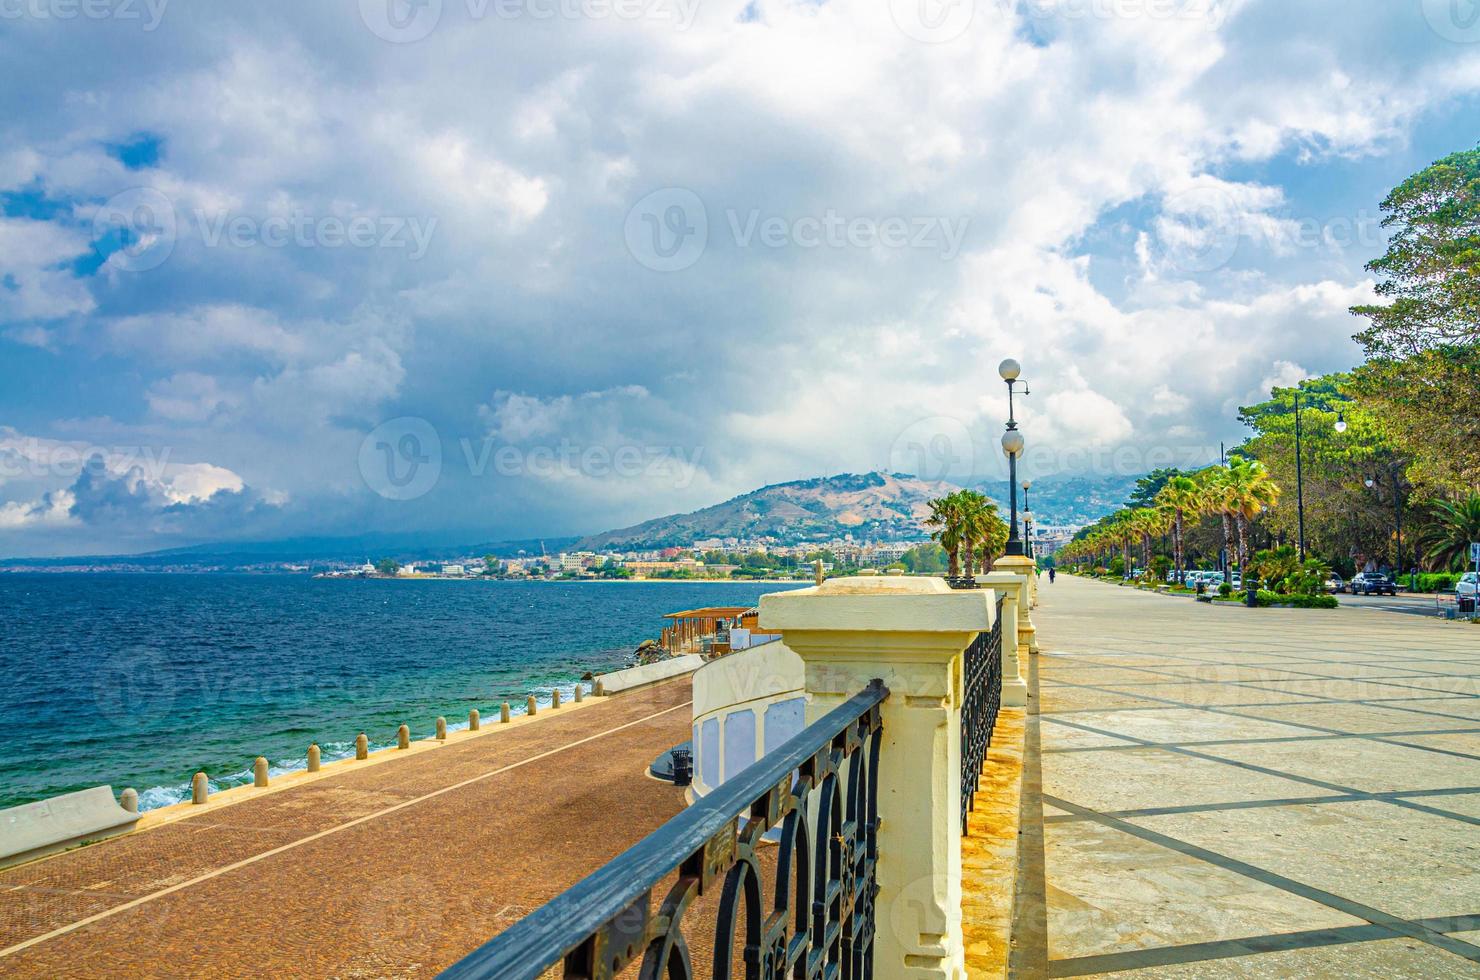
820, 789
980, 702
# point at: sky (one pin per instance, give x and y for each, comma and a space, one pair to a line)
509, 268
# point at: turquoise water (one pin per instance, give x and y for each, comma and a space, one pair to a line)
142, 680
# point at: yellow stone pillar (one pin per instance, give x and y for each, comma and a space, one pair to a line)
911, 633
1010, 588
1024, 568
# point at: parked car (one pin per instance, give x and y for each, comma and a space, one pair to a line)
1468, 585
1373, 583
1237, 581
1334, 583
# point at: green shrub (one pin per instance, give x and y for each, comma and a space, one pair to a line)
1437, 581
1225, 590
1298, 600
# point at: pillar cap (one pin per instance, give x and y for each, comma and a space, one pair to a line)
878, 604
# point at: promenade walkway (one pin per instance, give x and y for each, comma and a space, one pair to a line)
1249, 793
391, 870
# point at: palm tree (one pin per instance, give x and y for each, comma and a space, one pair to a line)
1181, 498
1247, 489
1445, 538
993, 537
1215, 481
977, 513
1148, 522
947, 517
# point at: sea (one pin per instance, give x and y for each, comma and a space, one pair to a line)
140, 681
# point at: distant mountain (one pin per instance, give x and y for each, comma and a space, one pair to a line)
1059, 500
230, 555
870, 506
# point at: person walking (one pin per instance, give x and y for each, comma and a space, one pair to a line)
1051, 573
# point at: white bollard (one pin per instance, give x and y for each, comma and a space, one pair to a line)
403, 737
129, 800
314, 757
474, 720
259, 771
200, 788
362, 746
441, 729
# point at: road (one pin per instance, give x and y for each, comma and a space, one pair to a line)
1413, 605
392, 870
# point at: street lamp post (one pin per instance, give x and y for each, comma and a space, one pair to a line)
1027, 520
1299, 478
1012, 445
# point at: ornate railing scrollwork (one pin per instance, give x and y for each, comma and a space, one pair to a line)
819, 791
980, 702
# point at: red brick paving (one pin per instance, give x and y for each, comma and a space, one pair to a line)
402, 894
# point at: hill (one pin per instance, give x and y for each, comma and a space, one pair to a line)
872, 506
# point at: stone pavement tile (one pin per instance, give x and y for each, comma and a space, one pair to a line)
1363, 764
1110, 892
1404, 862
1443, 684
1341, 688
1465, 803
1384, 671
1104, 658
1078, 698
1468, 743
1066, 737
1078, 674
1227, 673
1357, 718
1461, 707
1218, 694
1388, 959
1139, 779
1177, 725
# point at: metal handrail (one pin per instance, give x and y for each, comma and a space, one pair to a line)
606, 922
980, 704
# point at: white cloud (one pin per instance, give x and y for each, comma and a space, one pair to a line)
1137, 192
